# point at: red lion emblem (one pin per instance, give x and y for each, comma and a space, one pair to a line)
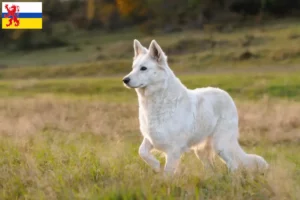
12, 14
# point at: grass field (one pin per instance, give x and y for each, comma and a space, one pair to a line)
270, 46
70, 130
243, 86
78, 139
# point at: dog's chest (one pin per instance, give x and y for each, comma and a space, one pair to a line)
155, 120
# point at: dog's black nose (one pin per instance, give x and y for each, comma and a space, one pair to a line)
126, 80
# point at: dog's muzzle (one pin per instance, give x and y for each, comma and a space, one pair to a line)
126, 80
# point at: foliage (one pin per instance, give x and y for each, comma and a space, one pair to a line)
132, 8
166, 15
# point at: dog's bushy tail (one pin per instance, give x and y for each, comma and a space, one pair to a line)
248, 161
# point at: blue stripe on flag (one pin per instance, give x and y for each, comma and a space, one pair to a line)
26, 15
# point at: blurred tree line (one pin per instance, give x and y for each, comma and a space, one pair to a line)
63, 17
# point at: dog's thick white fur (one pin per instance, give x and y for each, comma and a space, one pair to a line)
174, 119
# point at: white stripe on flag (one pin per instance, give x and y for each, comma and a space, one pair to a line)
25, 7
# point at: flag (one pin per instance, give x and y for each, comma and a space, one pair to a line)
22, 15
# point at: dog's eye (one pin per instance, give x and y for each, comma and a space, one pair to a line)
143, 68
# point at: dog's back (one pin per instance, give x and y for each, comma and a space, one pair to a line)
221, 102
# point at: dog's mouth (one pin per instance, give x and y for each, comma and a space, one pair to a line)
134, 87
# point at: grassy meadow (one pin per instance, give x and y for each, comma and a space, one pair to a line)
69, 129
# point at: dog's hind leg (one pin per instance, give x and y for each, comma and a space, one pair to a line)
145, 153
205, 153
224, 140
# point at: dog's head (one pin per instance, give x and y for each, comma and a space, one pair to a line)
149, 66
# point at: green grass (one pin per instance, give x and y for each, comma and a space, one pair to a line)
242, 86
53, 165
67, 71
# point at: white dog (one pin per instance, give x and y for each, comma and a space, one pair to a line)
174, 119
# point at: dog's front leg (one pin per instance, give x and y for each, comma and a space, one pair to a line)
172, 162
144, 152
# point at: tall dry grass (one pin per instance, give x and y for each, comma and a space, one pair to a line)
272, 121
24, 117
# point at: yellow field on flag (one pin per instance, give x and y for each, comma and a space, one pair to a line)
22, 15
25, 23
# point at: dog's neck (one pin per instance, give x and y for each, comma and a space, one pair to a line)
169, 91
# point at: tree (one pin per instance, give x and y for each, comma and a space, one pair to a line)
133, 9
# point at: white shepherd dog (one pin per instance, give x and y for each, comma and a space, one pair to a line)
174, 119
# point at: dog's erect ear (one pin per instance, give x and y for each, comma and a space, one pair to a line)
138, 48
156, 52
